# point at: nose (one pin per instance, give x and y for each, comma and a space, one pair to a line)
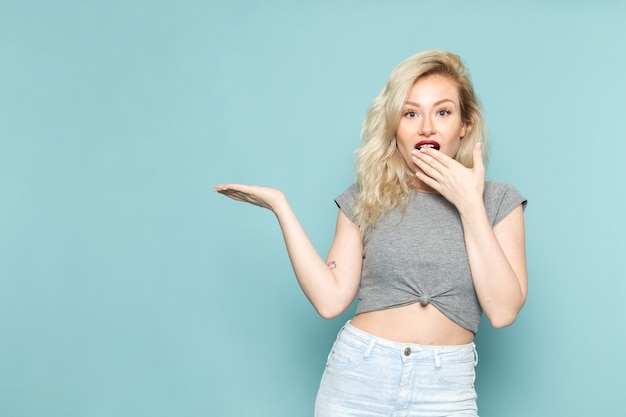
426, 128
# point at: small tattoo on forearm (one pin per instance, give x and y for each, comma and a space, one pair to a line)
332, 264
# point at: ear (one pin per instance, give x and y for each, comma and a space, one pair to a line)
464, 130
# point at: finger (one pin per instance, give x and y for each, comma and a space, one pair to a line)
436, 155
428, 180
477, 153
233, 189
233, 193
236, 195
228, 186
426, 166
236, 191
429, 164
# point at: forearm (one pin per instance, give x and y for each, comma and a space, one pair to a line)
498, 273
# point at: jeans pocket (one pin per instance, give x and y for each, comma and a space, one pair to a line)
344, 357
457, 375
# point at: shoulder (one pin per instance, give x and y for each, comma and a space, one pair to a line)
499, 188
500, 199
345, 201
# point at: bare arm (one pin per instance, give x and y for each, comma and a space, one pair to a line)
498, 263
331, 289
497, 256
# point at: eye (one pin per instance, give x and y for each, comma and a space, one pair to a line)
410, 114
443, 112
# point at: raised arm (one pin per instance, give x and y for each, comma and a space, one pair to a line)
330, 285
497, 259
497, 255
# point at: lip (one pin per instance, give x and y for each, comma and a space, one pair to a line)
428, 143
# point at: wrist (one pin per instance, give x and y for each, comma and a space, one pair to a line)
472, 207
279, 204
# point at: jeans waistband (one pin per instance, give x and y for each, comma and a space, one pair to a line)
372, 344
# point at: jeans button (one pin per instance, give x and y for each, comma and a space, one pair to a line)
407, 351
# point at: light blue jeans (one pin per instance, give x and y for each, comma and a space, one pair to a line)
367, 376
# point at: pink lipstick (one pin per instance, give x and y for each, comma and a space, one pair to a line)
428, 144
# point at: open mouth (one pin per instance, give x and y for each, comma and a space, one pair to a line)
427, 144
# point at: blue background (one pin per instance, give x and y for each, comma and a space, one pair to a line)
129, 288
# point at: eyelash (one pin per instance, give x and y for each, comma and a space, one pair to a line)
413, 113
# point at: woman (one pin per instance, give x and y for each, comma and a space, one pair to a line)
426, 242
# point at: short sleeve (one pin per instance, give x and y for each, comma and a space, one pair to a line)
345, 201
501, 199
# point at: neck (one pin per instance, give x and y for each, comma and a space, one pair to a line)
418, 185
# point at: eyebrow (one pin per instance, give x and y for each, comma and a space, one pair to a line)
434, 104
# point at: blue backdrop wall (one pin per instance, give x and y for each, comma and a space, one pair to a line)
129, 288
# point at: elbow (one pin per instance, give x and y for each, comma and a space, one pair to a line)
504, 315
329, 313
500, 321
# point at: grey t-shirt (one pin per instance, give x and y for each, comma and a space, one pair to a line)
419, 254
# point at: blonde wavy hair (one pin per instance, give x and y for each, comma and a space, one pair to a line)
382, 176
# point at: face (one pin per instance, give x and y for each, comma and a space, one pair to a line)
431, 117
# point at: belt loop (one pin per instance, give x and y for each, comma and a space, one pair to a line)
369, 349
437, 358
475, 354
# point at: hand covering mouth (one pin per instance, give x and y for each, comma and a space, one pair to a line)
428, 144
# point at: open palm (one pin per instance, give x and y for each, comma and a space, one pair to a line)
259, 196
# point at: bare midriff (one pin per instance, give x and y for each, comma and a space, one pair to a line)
414, 323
